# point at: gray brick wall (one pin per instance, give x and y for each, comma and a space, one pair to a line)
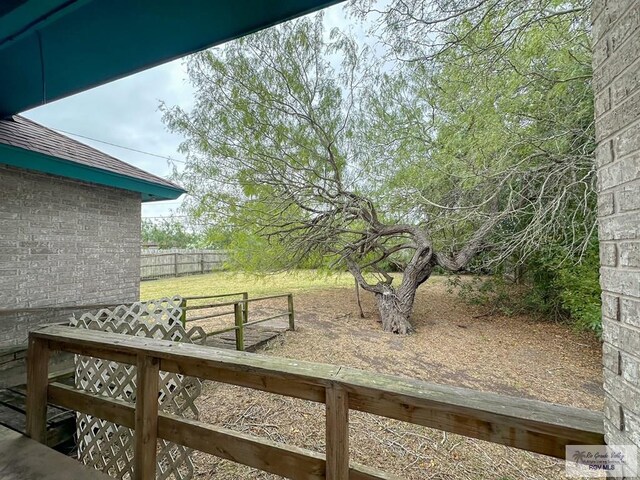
616, 82
63, 242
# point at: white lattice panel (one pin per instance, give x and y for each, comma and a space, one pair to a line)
109, 447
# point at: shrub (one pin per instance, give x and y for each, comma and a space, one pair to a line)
556, 287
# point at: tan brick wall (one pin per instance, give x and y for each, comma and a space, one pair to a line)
63, 242
616, 83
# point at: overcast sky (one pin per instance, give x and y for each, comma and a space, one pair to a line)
125, 112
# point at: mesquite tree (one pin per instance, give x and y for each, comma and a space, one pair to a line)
510, 82
306, 139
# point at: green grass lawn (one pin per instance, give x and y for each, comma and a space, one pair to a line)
230, 282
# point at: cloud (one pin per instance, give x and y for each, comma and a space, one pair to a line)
125, 112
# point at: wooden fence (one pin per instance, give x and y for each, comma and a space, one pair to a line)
172, 263
516, 422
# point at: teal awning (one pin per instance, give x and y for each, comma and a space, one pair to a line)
53, 48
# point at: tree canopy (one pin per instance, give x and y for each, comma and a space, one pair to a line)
476, 144
171, 233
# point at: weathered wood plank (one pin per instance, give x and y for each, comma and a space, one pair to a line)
254, 337
25, 459
294, 378
283, 383
204, 297
528, 424
104, 351
12, 419
285, 460
292, 317
243, 301
245, 306
57, 435
208, 316
337, 433
14, 372
16, 399
37, 381
10, 354
239, 320
116, 411
146, 417
61, 423
516, 422
273, 457
267, 319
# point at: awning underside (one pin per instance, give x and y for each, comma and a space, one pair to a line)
50, 49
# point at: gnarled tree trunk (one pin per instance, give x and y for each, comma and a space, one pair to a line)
396, 304
395, 311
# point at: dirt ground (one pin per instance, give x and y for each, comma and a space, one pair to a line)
454, 344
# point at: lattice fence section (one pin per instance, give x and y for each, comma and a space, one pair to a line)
109, 447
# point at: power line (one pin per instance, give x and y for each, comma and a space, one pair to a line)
120, 146
191, 220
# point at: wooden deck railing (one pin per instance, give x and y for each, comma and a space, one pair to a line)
188, 305
527, 424
239, 310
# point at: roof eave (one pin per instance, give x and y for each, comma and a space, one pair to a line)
48, 54
29, 160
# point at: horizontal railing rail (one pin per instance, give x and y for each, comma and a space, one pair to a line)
516, 422
207, 306
227, 304
222, 295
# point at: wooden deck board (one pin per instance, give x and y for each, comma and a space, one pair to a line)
255, 336
13, 366
61, 423
24, 459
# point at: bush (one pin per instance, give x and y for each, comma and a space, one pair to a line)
579, 292
495, 291
565, 288
556, 287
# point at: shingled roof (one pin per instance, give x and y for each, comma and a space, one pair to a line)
22, 133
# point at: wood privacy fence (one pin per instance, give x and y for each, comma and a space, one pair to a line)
516, 422
238, 308
175, 262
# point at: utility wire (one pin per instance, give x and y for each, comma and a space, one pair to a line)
120, 146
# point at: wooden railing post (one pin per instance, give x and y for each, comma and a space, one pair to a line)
146, 431
292, 323
239, 318
245, 298
37, 384
183, 313
337, 433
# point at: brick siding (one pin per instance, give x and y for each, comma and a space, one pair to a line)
63, 242
616, 82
